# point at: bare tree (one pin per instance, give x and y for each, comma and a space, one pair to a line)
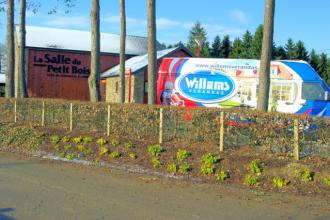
10, 50
21, 90
122, 50
152, 58
94, 78
266, 54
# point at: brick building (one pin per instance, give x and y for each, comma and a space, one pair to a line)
136, 76
58, 60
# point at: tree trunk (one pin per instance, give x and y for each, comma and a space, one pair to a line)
94, 78
266, 54
122, 50
22, 91
10, 50
152, 59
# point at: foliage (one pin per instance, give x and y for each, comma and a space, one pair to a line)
114, 142
57, 148
156, 162
326, 181
251, 180
67, 147
132, 156
184, 168
78, 140
70, 156
155, 150
222, 175
256, 166
210, 159
115, 154
182, 155
128, 145
63, 154
198, 32
101, 141
55, 139
207, 169
66, 139
104, 150
172, 168
279, 182
87, 139
305, 175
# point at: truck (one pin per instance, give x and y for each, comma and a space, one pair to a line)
295, 87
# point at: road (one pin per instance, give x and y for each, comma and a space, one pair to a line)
31, 188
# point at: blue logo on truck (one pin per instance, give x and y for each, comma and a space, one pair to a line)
206, 86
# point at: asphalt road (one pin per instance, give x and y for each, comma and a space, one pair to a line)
37, 189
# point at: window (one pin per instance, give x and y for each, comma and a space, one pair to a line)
283, 92
246, 90
313, 91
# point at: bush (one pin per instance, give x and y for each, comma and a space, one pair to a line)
256, 166
87, 139
210, 159
104, 151
182, 155
114, 142
172, 168
128, 145
326, 181
222, 175
279, 182
156, 163
251, 180
101, 141
132, 156
55, 139
207, 169
115, 154
155, 150
305, 175
184, 168
66, 139
77, 140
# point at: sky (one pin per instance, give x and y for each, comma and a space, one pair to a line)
297, 19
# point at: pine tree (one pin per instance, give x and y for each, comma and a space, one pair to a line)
300, 51
198, 33
322, 66
313, 59
237, 49
247, 45
216, 47
290, 49
225, 47
257, 42
279, 53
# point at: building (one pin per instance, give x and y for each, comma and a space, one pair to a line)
58, 60
136, 76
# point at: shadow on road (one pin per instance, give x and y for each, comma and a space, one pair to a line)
3, 215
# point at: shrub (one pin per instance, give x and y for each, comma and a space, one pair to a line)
210, 159
256, 166
326, 181
251, 180
172, 168
57, 148
182, 155
279, 182
222, 175
87, 139
104, 151
115, 154
128, 145
77, 140
132, 156
55, 139
70, 156
207, 169
155, 150
156, 163
88, 151
101, 141
114, 142
66, 139
81, 148
305, 175
63, 154
184, 168
67, 147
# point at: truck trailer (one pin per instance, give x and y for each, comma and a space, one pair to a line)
295, 86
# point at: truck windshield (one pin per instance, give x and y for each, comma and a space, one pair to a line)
313, 91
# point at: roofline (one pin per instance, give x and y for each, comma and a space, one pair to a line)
180, 47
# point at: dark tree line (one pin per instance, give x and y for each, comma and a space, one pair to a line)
249, 47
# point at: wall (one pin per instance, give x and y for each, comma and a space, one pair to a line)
62, 74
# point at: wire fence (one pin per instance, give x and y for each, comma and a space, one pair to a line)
224, 129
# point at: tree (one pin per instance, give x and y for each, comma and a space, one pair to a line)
237, 49
313, 59
197, 36
322, 66
10, 50
300, 51
122, 50
21, 90
257, 42
216, 47
279, 53
225, 47
94, 77
266, 54
152, 57
247, 45
290, 49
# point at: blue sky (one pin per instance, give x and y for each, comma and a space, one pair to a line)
301, 20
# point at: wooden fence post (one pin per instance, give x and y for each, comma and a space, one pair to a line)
222, 129
296, 140
160, 125
108, 122
43, 114
71, 116
15, 111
